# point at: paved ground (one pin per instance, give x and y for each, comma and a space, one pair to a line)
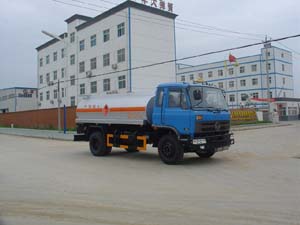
59, 182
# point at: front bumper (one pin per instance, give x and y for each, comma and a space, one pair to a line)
218, 142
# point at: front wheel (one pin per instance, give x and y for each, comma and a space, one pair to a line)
170, 150
207, 153
97, 144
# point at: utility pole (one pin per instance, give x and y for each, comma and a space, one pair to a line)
267, 45
58, 106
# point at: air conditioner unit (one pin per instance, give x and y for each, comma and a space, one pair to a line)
89, 73
114, 66
52, 102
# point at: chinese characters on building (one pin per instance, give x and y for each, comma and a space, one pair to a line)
161, 4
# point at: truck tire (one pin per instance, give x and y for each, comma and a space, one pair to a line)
170, 150
97, 144
207, 154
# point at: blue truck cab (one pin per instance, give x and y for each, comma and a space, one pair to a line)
197, 114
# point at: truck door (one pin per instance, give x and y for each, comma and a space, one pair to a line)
158, 107
176, 111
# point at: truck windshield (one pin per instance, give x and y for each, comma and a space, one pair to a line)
207, 98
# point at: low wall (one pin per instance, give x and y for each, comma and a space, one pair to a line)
44, 118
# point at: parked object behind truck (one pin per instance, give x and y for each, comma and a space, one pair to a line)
179, 119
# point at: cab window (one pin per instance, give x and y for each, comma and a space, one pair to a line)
159, 99
177, 99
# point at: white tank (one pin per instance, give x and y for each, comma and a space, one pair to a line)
114, 109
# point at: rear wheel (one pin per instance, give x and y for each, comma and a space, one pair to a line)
207, 153
170, 150
97, 144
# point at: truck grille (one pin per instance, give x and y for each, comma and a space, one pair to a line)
212, 128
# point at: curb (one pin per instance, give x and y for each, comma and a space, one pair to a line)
255, 127
42, 134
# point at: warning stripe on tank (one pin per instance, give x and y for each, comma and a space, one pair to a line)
116, 109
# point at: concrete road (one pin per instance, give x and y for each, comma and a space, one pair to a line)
59, 182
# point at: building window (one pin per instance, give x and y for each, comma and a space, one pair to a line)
48, 95
284, 94
73, 101
182, 78
271, 94
255, 95
41, 96
81, 67
243, 83
62, 92
72, 37
72, 59
270, 80
55, 94
244, 97
55, 75
191, 76
93, 40
106, 60
254, 68
231, 84
93, 63
81, 45
121, 55
282, 55
200, 76
232, 98
122, 82
282, 67
210, 74
106, 35
41, 62
220, 85
106, 85
269, 66
254, 81
82, 89
220, 73
62, 72
242, 69
62, 53
269, 53
48, 77
47, 59
121, 29
54, 56
41, 79
72, 80
94, 87
231, 71
283, 80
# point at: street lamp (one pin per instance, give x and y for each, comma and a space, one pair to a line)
58, 83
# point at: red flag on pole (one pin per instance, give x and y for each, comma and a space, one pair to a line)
232, 58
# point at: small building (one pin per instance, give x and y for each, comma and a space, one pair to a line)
247, 79
107, 54
17, 99
287, 108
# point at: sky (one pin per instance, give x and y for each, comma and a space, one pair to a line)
21, 23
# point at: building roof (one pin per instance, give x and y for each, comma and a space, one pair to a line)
287, 99
112, 11
125, 5
51, 42
78, 16
17, 88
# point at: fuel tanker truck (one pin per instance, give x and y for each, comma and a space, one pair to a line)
180, 118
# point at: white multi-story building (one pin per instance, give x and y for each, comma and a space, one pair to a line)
102, 55
247, 80
17, 99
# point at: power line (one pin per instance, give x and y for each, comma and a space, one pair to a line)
138, 19
185, 58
